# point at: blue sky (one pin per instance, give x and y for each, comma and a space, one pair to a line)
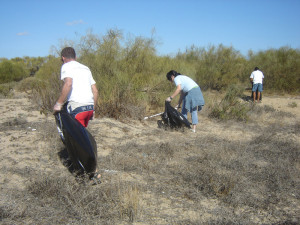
31, 27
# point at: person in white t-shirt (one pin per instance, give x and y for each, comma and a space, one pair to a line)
190, 95
256, 78
79, 89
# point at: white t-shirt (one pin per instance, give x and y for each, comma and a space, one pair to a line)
185, 82
257, 76
82, 78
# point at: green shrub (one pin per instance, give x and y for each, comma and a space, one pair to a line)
6, 89
131, 77
45, 87
281, 68
230, 107
128, 77
219, 67
12, 71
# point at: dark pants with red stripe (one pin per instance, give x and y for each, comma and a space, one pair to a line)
82, 114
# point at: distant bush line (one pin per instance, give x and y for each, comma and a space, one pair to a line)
130, 75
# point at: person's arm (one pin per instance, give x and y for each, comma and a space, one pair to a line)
177, 91
251, 77
180, 99
64, 93
95, 94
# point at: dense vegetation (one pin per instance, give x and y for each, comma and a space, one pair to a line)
130, 74
17, 69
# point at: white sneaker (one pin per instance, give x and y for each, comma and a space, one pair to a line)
194, 131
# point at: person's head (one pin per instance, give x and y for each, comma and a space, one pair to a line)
172, 73
256, 68
68, 54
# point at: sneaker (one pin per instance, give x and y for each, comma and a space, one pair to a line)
194, 131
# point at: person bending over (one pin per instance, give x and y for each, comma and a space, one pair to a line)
190, 95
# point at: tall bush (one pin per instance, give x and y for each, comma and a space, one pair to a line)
281, 68
131, 76
45, 86
12, 71
218, 67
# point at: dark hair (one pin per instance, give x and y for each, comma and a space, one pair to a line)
256, 68
172, 73
68, 53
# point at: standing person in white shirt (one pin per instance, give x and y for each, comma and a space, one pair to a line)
256, 78
190, 95
79, 91
79, 88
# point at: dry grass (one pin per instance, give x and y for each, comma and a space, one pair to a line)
180, 179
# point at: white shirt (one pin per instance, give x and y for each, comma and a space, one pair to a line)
185, 82
82, 78
257, 76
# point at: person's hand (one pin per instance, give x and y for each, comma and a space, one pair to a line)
168, 99
57, 107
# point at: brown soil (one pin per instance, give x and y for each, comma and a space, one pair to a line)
155, 171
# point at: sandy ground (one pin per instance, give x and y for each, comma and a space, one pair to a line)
23, 144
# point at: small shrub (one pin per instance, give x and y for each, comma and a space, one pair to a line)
292, 104
6, 89
230, 107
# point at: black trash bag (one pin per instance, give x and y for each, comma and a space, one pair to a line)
172, 118
80, 144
